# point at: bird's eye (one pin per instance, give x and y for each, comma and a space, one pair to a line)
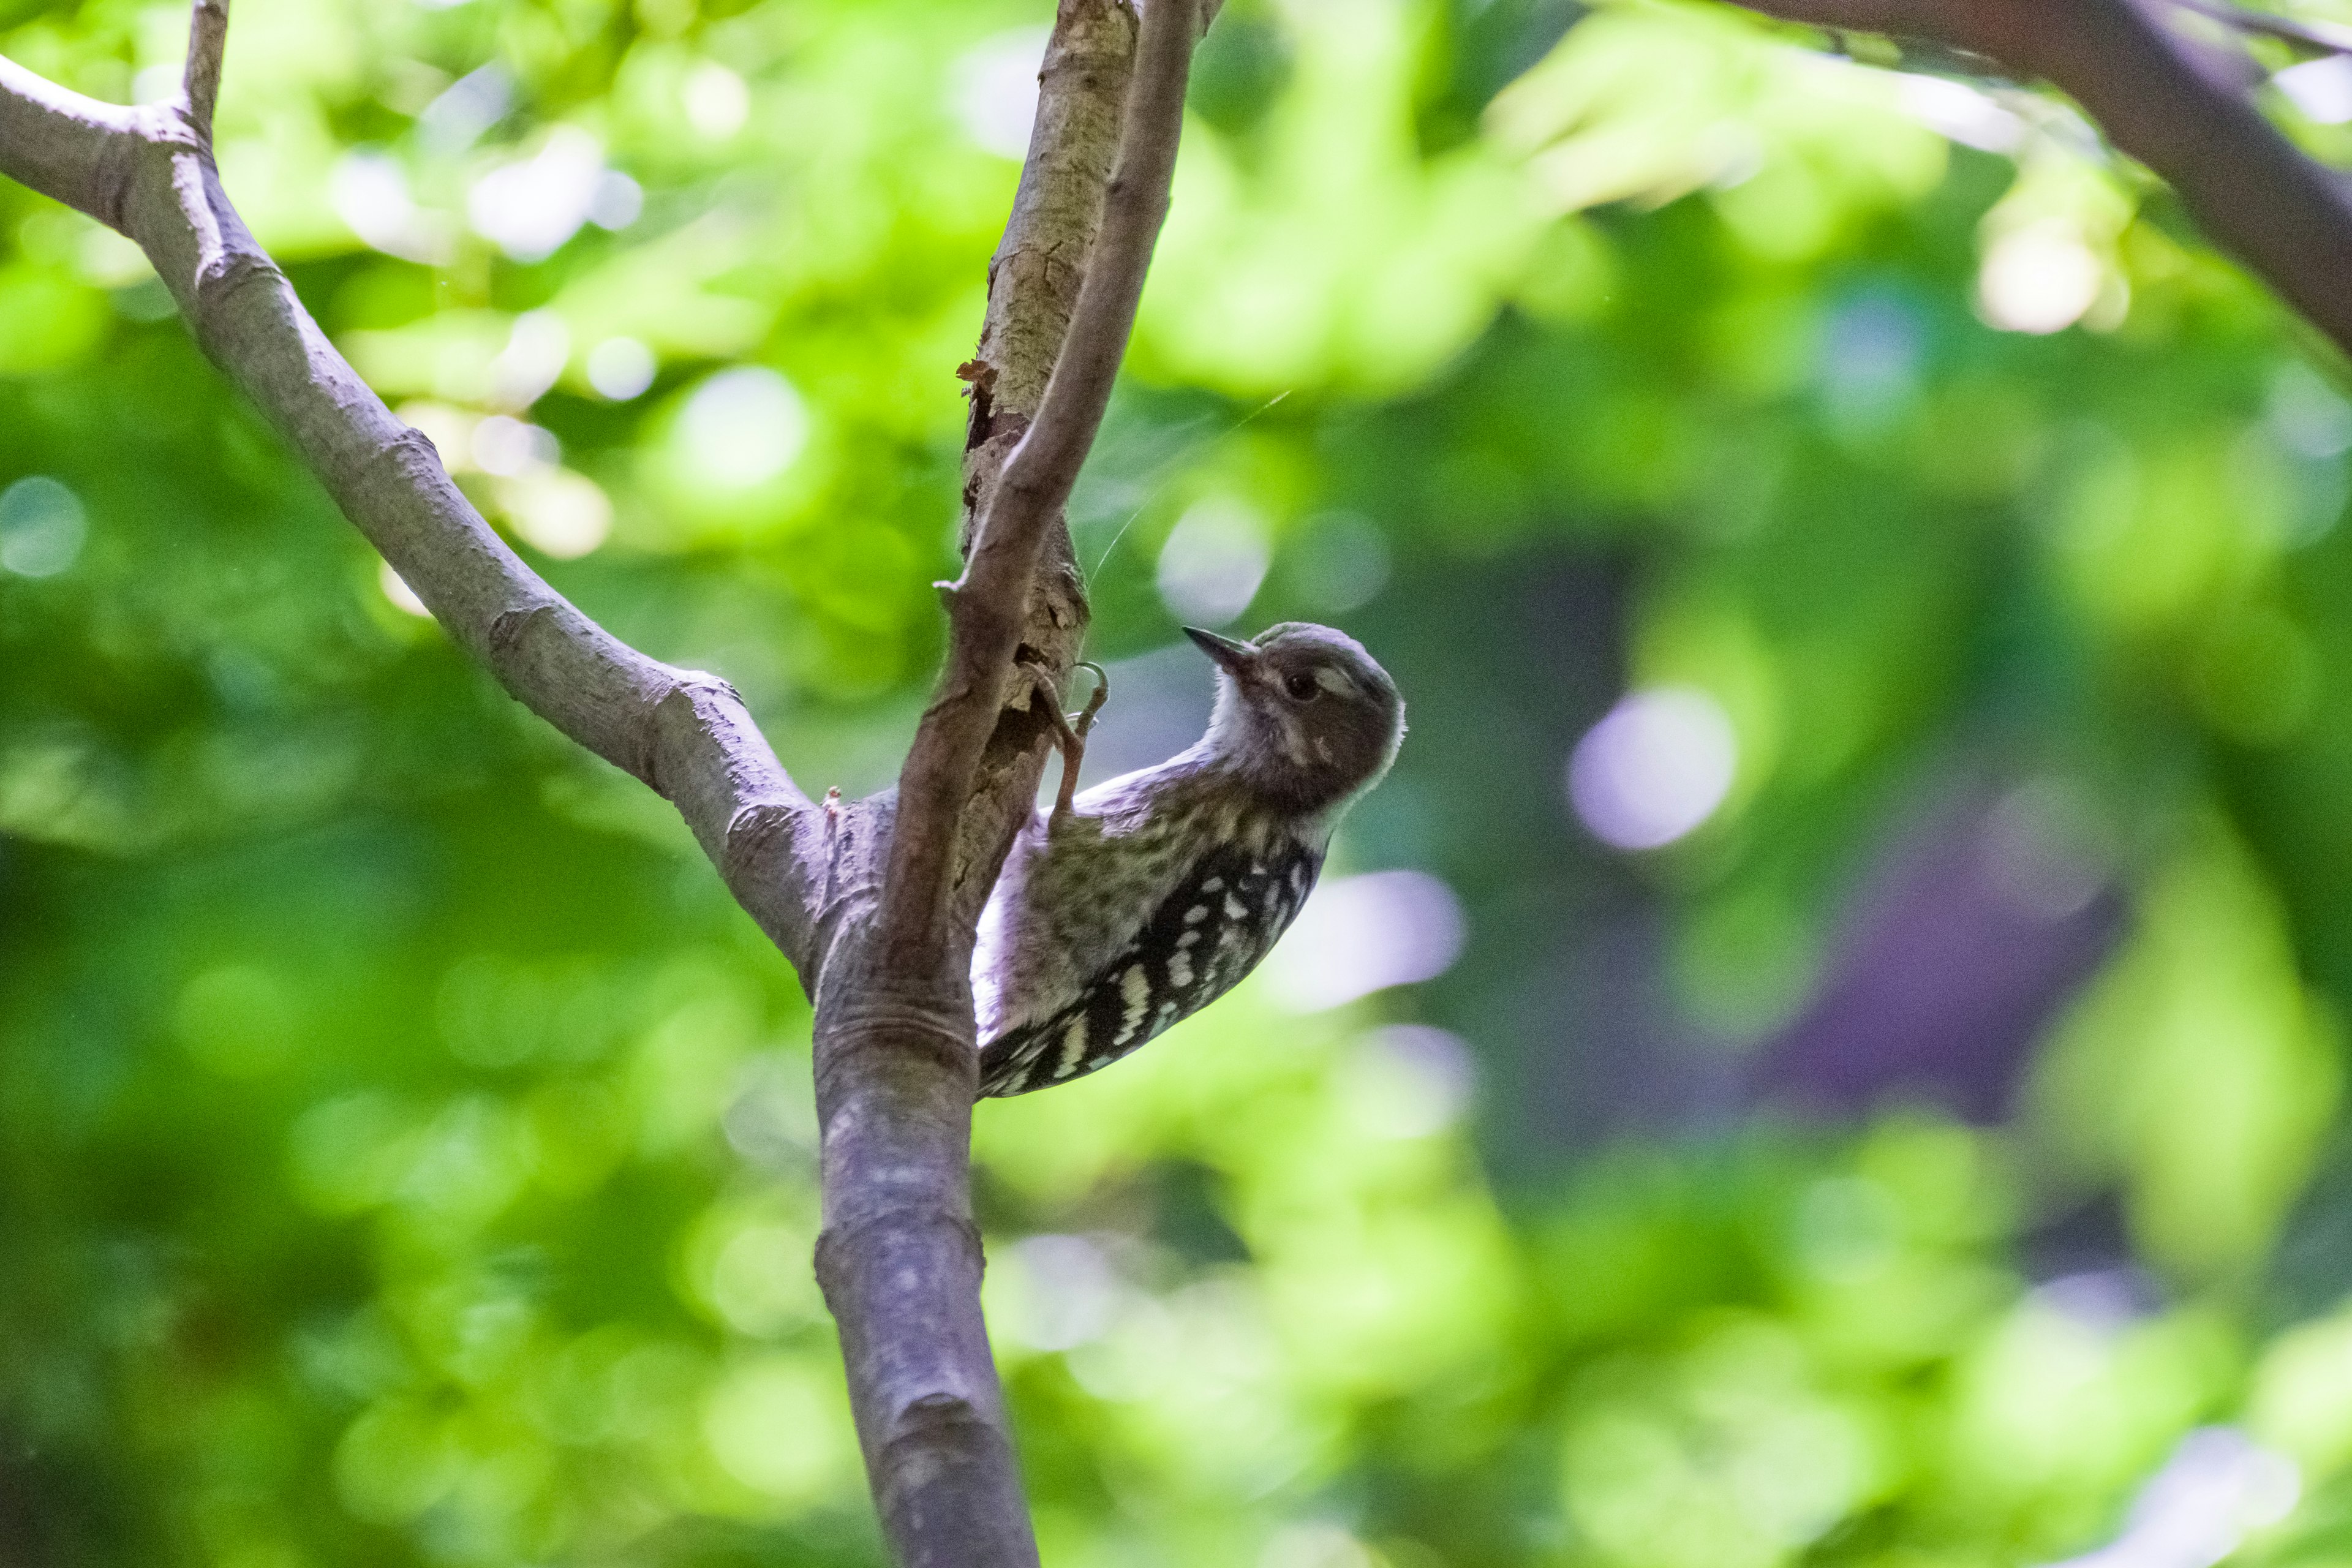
1302, 687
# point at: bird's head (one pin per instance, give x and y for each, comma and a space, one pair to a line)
1303, 712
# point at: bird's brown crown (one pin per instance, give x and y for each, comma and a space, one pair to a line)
1304, 714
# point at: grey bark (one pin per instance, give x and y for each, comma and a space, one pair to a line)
874, 903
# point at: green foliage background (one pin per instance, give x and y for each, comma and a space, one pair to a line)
405, 1148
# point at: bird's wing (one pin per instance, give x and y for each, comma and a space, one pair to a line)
1222, 916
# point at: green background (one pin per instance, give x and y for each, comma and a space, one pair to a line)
406, 1147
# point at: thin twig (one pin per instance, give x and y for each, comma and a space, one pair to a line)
200, 83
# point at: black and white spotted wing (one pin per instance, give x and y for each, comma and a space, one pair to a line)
1223, 917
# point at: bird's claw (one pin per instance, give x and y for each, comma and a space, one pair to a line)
1069, 730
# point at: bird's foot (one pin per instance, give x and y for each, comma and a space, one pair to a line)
1069, 731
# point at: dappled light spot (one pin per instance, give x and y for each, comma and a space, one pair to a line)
506, 446
780, 1425
558, 512
529, 208
2217, 1488
2039, 279
1958, 112
759, 1279
2320, 90
42, 526
1734, 1456
457, 117
621, 368
396, 1461
1315, 1546
1066, 1294
369, 190
238, 1019
2301, 1401
537, 347
718, 100
449, 428
993, 89
1362, 934
2103, 1303
1872, 348
398, 594
619, 201
1343, 563
1655, 768
2308, 415
741, 427
1408, 1081
1213, 562
2045, 850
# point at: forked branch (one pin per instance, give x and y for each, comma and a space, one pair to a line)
900, 1257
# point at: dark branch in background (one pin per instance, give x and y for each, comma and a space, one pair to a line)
899, 1258
2287, 217
2321, 37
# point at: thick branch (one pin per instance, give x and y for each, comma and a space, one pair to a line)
896, 1065
2285, 217
1034, 275
989, 606
149, 173
69, 148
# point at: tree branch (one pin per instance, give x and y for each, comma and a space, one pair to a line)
2287, 218
149, 173
987, 606
200, 83
900, 1260
71, 149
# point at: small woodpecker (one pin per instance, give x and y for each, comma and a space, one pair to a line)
1147, 898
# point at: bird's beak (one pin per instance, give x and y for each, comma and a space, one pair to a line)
1237, 659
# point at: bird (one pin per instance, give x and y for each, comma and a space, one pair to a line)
1139, 902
